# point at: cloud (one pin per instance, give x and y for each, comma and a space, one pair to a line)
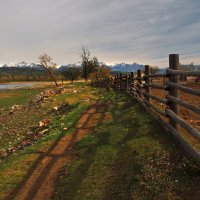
131, 31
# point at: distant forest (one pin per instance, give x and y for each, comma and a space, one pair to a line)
70, 72
10, 74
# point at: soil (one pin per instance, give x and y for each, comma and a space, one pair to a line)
189, 116
40, 181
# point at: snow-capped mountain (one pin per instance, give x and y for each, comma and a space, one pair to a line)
124, 67
37, 65
63, 67
24, 65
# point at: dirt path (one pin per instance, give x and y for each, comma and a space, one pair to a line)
40, 181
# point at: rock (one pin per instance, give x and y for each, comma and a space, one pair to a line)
65, 90
26, 143
86, 100
11, 112
30, 133
43, 131
4, 154
2, 120
61, 108
44, 122
55, 107
15, 107
49, 93
58, 91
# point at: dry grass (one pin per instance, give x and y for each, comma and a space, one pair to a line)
191, 117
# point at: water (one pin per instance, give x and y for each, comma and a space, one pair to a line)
11, 86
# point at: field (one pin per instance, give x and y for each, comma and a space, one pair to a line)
112, 148
191, 117
20, 96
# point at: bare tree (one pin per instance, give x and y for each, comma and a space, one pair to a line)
89, 65
49, 66
154, 70
72, 73
85, 56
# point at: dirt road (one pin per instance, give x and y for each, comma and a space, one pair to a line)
40, 181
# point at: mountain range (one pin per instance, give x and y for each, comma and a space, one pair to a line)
24, 65
121, 67
124, 67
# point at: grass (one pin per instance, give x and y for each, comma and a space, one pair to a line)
17, 125
13, 169
18, 96
127, 157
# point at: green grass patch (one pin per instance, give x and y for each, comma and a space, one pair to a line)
128, 157
14, 168
17, 97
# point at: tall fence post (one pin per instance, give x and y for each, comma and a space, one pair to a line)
174, 64
129, 81
117, 81
120, 81
139, 76
147, 81
108, 83
111, 82
132, 79
126, 83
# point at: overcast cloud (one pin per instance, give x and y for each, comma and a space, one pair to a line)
143, 31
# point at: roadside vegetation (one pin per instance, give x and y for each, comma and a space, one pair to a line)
15, 129
10, 98
126, 155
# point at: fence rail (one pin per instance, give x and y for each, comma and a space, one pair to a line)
140, 88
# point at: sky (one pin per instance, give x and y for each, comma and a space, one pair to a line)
115, 31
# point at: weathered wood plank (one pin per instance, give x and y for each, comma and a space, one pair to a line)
184, 104
183, 123
183, 88
155, 108
181, 72
161, 100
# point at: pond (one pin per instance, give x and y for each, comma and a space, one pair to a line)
10, 86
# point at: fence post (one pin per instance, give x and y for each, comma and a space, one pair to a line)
111, 82
139, 75
117, 81
126, 83
147, 81
174, 64
129, 80
120, 81
132, 79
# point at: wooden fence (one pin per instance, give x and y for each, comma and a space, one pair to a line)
140, 88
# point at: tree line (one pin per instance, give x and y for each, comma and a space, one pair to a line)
90, 68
